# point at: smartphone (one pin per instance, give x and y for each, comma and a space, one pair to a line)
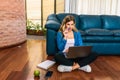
48, 74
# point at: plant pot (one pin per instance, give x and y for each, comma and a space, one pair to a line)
40, 33
35, 32
31, 32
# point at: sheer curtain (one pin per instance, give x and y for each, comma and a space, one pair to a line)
111, 7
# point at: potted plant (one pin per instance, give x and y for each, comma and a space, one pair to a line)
35, 29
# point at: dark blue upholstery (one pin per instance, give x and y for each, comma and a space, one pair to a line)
110, 22
100, 31
116, 32
83, 33
89, 21
51, 24
51, 42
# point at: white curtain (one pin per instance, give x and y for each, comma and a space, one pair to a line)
110, 7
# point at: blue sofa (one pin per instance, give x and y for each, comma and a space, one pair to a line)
100, 31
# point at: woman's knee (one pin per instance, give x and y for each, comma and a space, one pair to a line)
58, 56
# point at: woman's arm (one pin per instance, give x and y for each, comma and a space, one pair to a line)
60, 41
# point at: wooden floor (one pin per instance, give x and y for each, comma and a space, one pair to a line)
19, 63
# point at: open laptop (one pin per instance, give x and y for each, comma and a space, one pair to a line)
78, 51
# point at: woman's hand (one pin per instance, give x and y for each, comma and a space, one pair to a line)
65, 33
66, 51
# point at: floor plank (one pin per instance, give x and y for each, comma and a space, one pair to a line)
19, 63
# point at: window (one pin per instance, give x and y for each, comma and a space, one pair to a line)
33, 8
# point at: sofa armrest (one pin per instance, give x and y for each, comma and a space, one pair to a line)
53, 17
52, 24
51, 44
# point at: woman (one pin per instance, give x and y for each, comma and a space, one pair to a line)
68, 36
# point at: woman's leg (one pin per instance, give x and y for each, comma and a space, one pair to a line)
82, 63
65, 64
60, 58
72, 64
86, 60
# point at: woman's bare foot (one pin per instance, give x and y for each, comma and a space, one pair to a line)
75, 66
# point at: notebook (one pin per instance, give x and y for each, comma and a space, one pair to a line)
46, 64
78, 51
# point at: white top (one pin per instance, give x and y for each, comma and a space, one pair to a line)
69, 43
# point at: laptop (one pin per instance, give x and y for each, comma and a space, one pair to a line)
78, 51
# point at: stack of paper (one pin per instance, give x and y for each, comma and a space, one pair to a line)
46, 64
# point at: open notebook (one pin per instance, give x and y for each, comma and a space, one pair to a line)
46, 64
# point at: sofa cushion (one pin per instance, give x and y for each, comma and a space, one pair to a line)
99, 32
98, 39
89, 21
110, 22
83, 33
61, 16
116, 32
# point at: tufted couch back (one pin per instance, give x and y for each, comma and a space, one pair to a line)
84, 22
